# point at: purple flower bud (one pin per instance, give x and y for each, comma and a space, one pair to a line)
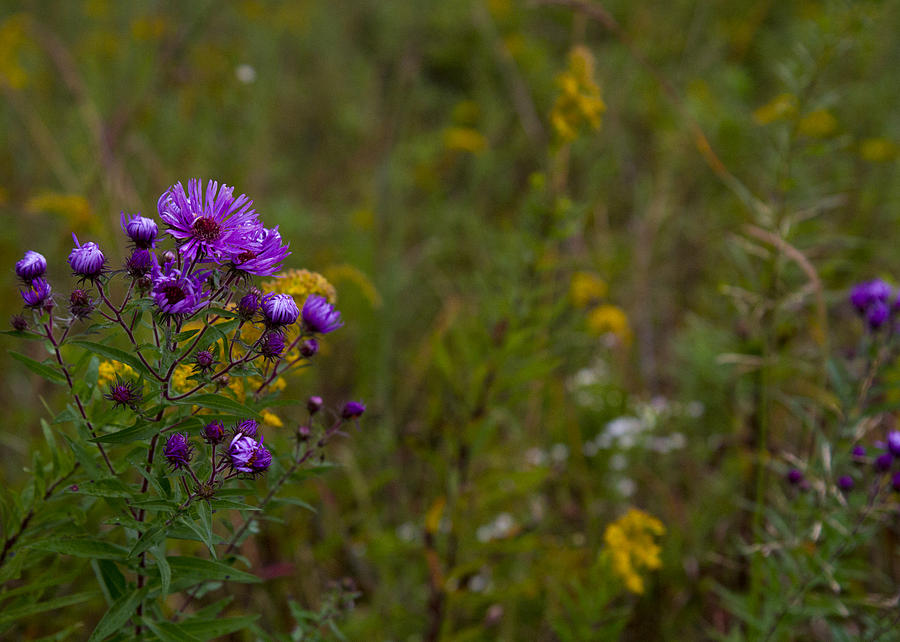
279, 309
86, 260
303, 433
169, 256
883, 462
140, 229
37, 294
314, 404
31, 266
248, 428
794, 476
353, 409
80, 304
247, 455
877, 314
248, 305
845, 483
139, 263
320, 316
309, 348
214, 432
18, 322
124, 393
272, 345
868, 292
178, 450
859, 454
893, 443
204, 361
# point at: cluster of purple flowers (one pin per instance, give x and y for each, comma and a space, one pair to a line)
245, 454
882, 463
875, 301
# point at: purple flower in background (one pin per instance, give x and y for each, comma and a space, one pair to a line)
31, 266
876, 314
248, 305
214, 432
320, 316
176, 293
178, 450
353, 409
794, 476
18, 322
279, 309
86, 260
883, 462
261, 254
140, 229
37, 294
893, 443
248, 428
248, 455
272, 345
214, 225
845, 483
309, 348
864, 294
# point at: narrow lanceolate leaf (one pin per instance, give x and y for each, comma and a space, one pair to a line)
220, 403
106, 488
112, 582
165, 571
47, 372
210, 629
129, 435
83, 547
116, 354
170, 632
117, 615
188, 571
12, 614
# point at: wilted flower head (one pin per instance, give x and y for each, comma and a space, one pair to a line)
31, 266
86, 260
248, 427
309, 347
140, 229
176, 293
178, 450
80, 304
353, 409
18, 322
139, 263
261, 253
214, 432
125, 393
272, 345
279, 309
248, 455
214, 225
37, 294
320, 316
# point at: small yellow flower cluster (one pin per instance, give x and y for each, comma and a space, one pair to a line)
878, 150
464, 139
579, 101
180, 376
586, 289
14, 37
632, 549
108, 370
300, 284
74, 207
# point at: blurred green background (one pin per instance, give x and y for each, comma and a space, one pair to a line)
510, 291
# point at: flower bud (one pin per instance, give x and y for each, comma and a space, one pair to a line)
214, 432
353, 409
309, 348
31, 266
314, 404
86, 260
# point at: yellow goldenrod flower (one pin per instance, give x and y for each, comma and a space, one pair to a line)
586, 288
781, 107
609, 319
14, 37
271, 419
180, 376
106, 373
817, 124
579, 102
631, 547
464, 139
300, 284
877, 150
74, 207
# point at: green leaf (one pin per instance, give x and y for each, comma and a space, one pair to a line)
112, 582
138, 432
209, 629
220, 403
169, 631
12, 614
116, 354
106, 488
187, 334
165, 571
188, 571
118, 615
47, 372
82, 547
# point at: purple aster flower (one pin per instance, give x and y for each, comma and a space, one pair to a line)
272, 345
794, 476
125, 393
80, 304
178, 450
320, 316
215, 225
309, 347
139, 263
261, 254
279, 309
868, 292
248, 455
86, 260
314, 404
883, 462
353, 409
18, 322
141, 230
859, 454
248, 305
31, 266
204, 361
248, 428
845, 483
175, 293
214, 432
876, 314
37, 294
893, 442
